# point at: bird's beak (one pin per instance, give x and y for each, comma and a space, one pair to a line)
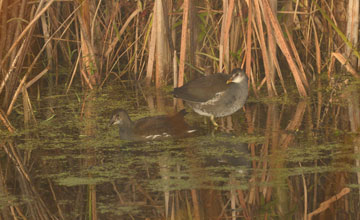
229, 80
113, 121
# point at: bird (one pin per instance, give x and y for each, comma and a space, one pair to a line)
151, 128
215, 95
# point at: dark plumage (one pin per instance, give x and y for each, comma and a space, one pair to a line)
150, 128
215, 95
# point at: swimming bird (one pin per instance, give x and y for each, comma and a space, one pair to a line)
151, 128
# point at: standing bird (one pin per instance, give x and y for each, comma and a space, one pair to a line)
215, 95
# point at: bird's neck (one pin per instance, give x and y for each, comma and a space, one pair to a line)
126, 131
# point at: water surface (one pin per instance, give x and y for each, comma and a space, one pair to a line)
276, 158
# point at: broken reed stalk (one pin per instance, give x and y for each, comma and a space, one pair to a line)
248, 50
229, 17
222, 33
258, 23
88, 67
183, 43
317, 49
136, 46
73, 73
151, 57
352, 29
12, 66
326, 204
285, 50
346, 64
272, 48
121, 32
49, 47
23, 81
6, 122
160, 52
297, 58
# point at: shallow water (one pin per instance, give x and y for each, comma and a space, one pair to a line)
276, 158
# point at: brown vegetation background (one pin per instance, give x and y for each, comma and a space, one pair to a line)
163, 40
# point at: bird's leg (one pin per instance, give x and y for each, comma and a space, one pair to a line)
213, 121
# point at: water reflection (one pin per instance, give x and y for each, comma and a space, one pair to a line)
276, 159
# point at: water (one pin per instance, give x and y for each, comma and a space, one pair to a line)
277, 158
